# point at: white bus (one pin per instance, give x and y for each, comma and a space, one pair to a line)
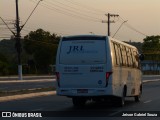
92, 67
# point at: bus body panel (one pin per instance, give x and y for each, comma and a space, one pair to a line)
83, 70
125, 75
82, 76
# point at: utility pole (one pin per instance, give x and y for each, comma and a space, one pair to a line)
109, 21
18, 42
18, 36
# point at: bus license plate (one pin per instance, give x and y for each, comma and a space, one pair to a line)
82, 91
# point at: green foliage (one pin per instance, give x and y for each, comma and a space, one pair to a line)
44, 57
42, 47
151, 48
7, 48
8, 57
3, 65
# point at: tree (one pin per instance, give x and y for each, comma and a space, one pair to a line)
151, 47
41, 46
3, 65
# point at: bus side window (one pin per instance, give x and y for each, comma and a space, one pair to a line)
135, 59
138, 61
124, 57
116, 54
129, 57
120, 54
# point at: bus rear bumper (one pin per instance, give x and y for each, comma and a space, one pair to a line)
84, 92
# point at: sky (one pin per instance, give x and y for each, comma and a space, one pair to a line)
76, 17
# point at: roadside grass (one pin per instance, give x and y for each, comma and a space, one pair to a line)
25, 91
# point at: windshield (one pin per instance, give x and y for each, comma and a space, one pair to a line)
83, 52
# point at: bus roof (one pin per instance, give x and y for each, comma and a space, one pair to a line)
95, 37
121, 42
84, 37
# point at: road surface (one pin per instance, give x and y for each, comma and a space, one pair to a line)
27, 84
47, 81
62, 106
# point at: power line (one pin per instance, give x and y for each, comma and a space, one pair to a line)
3, 28
4, 34
7, 26
75, 12
86, 7
30, 15
119, 28
68, 13
75, 8
4, 37
132, 28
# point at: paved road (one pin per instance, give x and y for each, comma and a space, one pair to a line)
150, 77
61, 106
19, 85
10, 83
47, 81
10, 78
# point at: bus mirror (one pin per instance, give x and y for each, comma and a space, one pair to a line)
141, 57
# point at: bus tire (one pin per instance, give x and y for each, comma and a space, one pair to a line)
78, 102
121, 100
138, 97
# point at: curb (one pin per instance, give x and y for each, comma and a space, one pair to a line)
23, 81
24, 96
146, 81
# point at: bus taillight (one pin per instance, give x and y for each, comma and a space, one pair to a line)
58, 78
107, 77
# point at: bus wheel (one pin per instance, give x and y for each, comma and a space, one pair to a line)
78, 102
121, 100
138, 97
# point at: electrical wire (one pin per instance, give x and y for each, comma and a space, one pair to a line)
5, 37
119, 28
7, 26
132, 28
67, 12
70, 11
86, 7
76, 8
30, 14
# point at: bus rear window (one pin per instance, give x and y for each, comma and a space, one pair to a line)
83, 52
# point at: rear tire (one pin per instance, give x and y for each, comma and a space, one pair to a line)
121, 100
138, 97
79, 102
